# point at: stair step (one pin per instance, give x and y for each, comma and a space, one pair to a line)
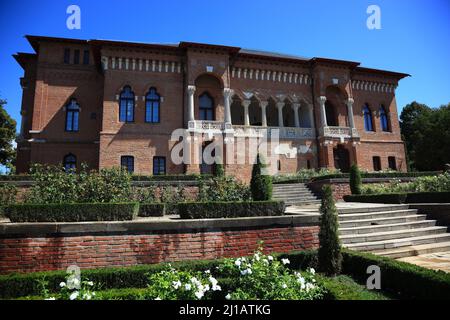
379, 214
388, 235
367, 209
299, 203
282, 194
410, 251
296, 198
387, 227
397, 243
381, 221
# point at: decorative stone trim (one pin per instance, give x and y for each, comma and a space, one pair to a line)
270, 75
373, 86
143, 65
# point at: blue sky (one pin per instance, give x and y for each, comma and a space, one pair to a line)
414, 37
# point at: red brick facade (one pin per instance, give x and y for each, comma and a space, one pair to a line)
309, 92
96, 251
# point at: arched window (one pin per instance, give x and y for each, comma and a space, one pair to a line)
206, 107
368, 124
72, 115
152, 101
70, 162
126, 105
383, 119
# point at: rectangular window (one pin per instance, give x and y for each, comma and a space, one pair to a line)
76, 57
392, 163
67, 56
376, 164
127, 163
86, 57
159, 165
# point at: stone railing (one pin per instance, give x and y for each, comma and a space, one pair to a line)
207, 126
339, 132
283, 132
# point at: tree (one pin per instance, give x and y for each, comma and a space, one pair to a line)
330, 256
7, 136
355, 179
261, 182
426, 132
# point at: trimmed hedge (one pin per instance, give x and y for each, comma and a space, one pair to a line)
409, 280
172, 177
379, 175
152, 209
20, 285
286, 180
398, 198
222, 209
72, 212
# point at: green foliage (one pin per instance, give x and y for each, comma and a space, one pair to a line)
171, 196
355, 179
218, 169
261, 181
8, 194
53, 185
426, 132
223, 188
73, 288
71, 212
378, 174
344, 287
399, 277
303, 175
330, 257
144, 194
7, 136
151, 209
222, 209
398, 198
172, 177
264, 277
438, 183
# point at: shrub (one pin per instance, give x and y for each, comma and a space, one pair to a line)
355, 179
217, 209
303, 175
261, 181
54, 185
330, 257
144, 194
171, 196
218, 169
378, 174
71, 212
264, 277
225, 188
8, 194
399, 277
73, 288
398, 198
172, 177
151, 209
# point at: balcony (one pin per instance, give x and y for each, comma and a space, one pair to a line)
339, 132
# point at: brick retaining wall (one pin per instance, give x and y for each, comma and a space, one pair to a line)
25, 249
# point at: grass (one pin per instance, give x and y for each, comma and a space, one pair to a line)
343, 287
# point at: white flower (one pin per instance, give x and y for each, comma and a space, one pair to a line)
207, 271
87, 296
213, 280
176, 284
228, 296
90, 283
74, 295
199, 294
257, 257
187, 287
244, 272
312, 271
217, 288
157, 298
62, 284
270, 258
51, 298
265, 261
238, 262
284, 285
285, 261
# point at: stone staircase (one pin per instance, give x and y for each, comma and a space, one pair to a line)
394, 231
294, 194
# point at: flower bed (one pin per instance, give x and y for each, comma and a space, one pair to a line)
223, 209
72, 212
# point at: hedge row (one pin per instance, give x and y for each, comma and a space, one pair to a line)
152, 209
72, 212
379, 175
172, 177
397, 198
222, 209
290, 180
398, 277
20, 285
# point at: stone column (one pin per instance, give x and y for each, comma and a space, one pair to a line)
191, 91
295, 106
263, 105
311, 115
246, 104
227, 92
280, 106
322, 100
350, 112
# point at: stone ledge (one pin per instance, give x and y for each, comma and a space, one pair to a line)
64, 229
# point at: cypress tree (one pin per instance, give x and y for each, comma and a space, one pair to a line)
355, 179
261, 183
330, 256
